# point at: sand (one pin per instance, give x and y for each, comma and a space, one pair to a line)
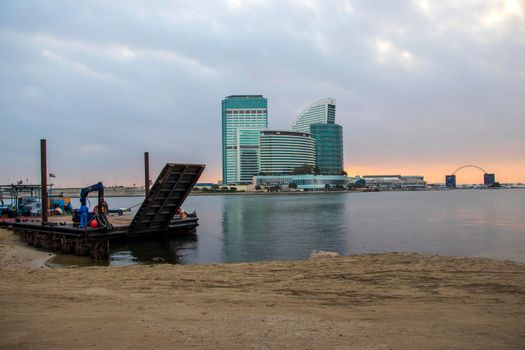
371, 301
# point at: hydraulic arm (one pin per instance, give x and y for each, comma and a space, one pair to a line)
99, 187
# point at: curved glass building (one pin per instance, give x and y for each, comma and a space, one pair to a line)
322, 111
329, 147
282, 151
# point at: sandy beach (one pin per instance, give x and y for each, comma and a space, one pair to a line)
381, 301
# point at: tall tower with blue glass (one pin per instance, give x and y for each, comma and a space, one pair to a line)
329, 147
319, 120
242, 116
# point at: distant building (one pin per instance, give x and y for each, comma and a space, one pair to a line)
329, 147
357, 182
240, 111
489, 179
202, 185
395, 182
283, 151
450, 181
303, 182
322, 111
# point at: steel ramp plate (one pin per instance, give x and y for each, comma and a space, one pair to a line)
171, 188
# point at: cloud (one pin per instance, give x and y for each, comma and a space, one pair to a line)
505, 11
414, 80
389, 53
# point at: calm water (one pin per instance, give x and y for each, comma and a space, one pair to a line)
242, 228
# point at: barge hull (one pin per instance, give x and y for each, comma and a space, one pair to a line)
67, 239
154, 218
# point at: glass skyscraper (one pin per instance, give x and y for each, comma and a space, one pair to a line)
319, 120
248, 146
322, 111
329, 147
246, 112
283, 151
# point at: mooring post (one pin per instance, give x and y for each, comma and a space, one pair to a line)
146, 171
43, 179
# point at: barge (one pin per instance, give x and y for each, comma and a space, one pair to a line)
155, 217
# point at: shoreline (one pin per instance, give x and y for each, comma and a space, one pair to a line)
16, 254
109, 192
262, 193
366, 301
20, 255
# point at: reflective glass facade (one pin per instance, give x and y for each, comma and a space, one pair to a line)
489, 179
303, 182
240, 111
248, 146
329, 147
322, 111
282, 151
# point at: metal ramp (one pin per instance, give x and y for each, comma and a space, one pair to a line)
168, 193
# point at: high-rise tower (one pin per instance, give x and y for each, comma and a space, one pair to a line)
319, 120
322, 111
329, 147
241, 113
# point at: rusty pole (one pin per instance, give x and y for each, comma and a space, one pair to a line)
146, 171
43, 178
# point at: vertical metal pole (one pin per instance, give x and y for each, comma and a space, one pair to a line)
146, 171
43, 179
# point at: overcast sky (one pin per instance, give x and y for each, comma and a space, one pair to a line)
422, 87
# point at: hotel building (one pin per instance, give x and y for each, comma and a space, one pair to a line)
246, 112
282, 151
250, 149
322, 111
319, 120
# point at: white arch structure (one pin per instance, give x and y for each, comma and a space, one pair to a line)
469, 166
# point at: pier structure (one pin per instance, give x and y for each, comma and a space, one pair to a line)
43, 181
156, 216
146, 173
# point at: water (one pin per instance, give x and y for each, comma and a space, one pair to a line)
245, 228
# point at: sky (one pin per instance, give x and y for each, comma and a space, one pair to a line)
422, 87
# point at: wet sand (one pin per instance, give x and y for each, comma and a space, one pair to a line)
371, 301
15, 254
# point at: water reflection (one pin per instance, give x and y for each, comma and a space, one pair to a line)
281, 226
242, 228
171, 250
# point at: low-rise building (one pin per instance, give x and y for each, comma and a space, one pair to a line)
395, 182
203, 185
303, 182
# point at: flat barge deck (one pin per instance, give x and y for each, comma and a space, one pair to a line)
155, 217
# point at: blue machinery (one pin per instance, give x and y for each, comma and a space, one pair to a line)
156, 216
84, 217
99, 187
